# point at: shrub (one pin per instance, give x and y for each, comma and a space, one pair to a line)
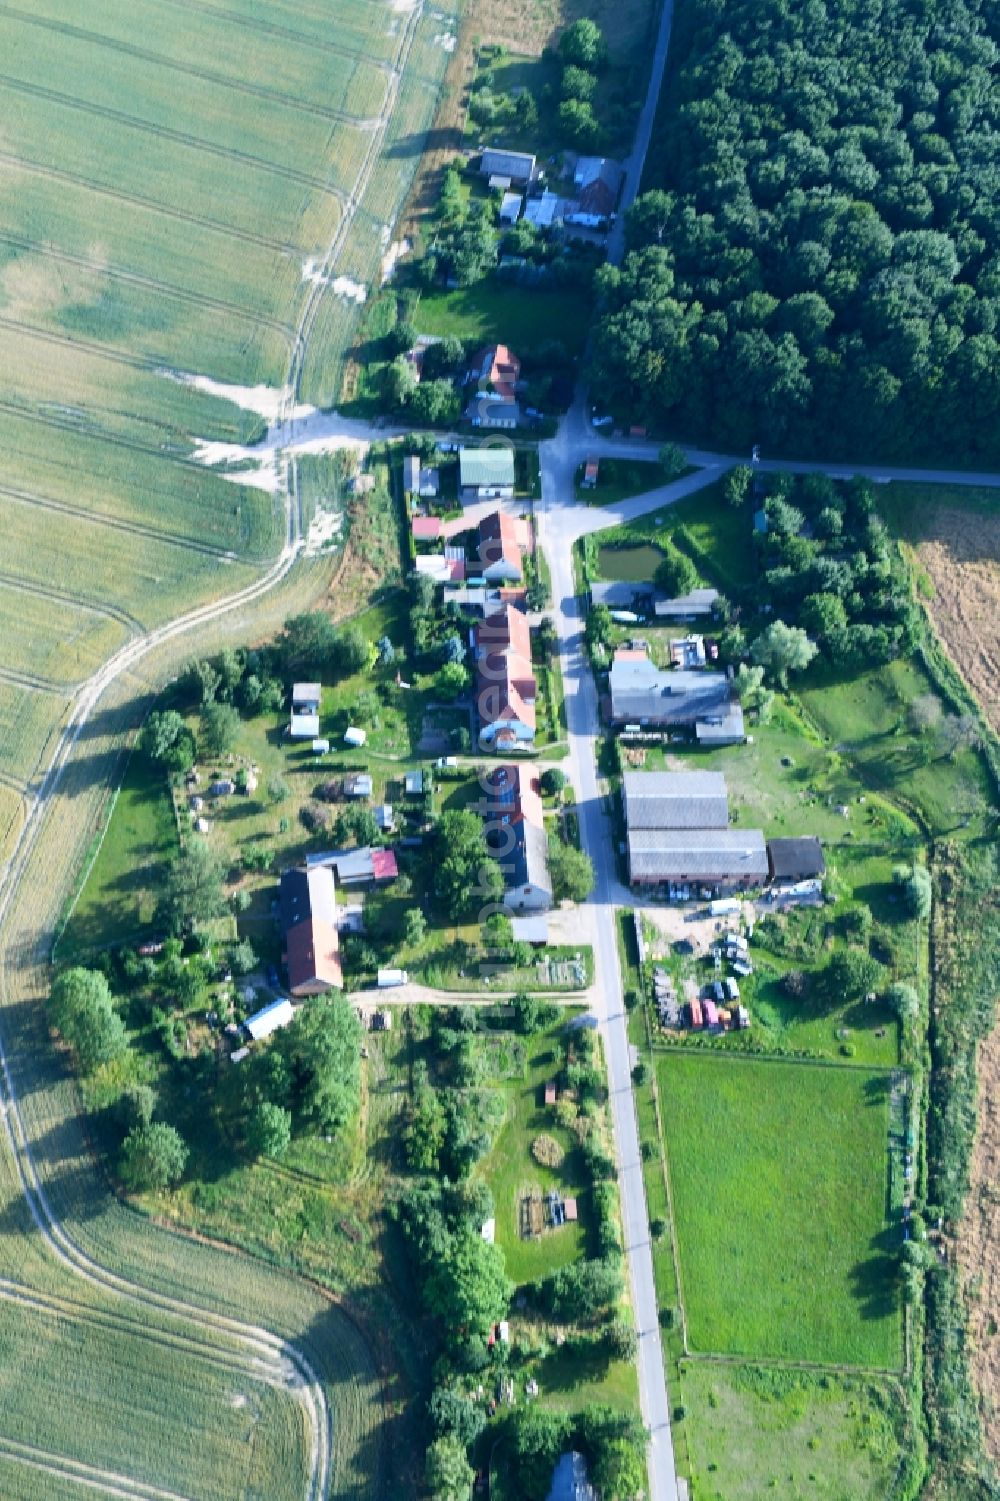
547, 1151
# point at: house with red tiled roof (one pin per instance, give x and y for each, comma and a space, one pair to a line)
426, 528
309, 918
503, 540
505, 681
496, 369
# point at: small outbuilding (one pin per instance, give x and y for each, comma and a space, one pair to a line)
270, 1019
355, 737
793, 860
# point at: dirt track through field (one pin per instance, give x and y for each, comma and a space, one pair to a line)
979, 1244
961, 552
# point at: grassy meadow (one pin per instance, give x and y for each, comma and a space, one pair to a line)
779, 1180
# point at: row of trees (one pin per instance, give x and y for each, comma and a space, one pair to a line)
818, 264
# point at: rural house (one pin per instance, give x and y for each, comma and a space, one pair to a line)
503, 540
304, 723
494, 372
486, 473
505, 681
308, 903
515, 831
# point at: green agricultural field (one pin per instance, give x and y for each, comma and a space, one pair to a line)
171, 169
779, 1180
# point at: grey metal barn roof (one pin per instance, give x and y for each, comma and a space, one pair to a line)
620, 594
700, 854
675, 800
639, 691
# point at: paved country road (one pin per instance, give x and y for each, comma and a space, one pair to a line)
559, 525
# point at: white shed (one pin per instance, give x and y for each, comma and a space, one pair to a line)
354, 736
270, 1019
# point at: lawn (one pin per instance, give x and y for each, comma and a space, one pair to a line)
496, 311
779, 1179
124, 884
617, 479
753, 1432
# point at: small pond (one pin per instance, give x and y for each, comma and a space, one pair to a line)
636, 564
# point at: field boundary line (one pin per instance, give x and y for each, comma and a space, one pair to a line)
167, 133
778, 1363
668, 1050
188, 70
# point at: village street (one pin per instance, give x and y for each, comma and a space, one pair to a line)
560, 523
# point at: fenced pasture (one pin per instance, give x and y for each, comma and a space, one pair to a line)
780, 1190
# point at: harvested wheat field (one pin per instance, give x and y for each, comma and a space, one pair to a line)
980, 1243
955, 534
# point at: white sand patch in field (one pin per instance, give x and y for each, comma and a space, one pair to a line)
262, 465
324, 530
445, 39
268, 402
340, 286
394, 253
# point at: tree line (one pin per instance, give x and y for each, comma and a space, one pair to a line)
816, 265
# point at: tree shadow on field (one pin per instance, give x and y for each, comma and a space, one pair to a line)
360, 1361
415, 144
874, 1279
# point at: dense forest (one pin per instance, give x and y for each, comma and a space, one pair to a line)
816, 263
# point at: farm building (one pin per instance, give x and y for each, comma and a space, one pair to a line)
413, 783
675, 800
510, 208
732, 858
270, 1019
308, 902
426, 528
692, 606
642, 694
384, 817
694, 1013
486, 473
793, 860
710, 1013
304, 723
365, 866
516, 166
623, 594
544, 211
486, 409
358, 784
533, 930
726, 728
